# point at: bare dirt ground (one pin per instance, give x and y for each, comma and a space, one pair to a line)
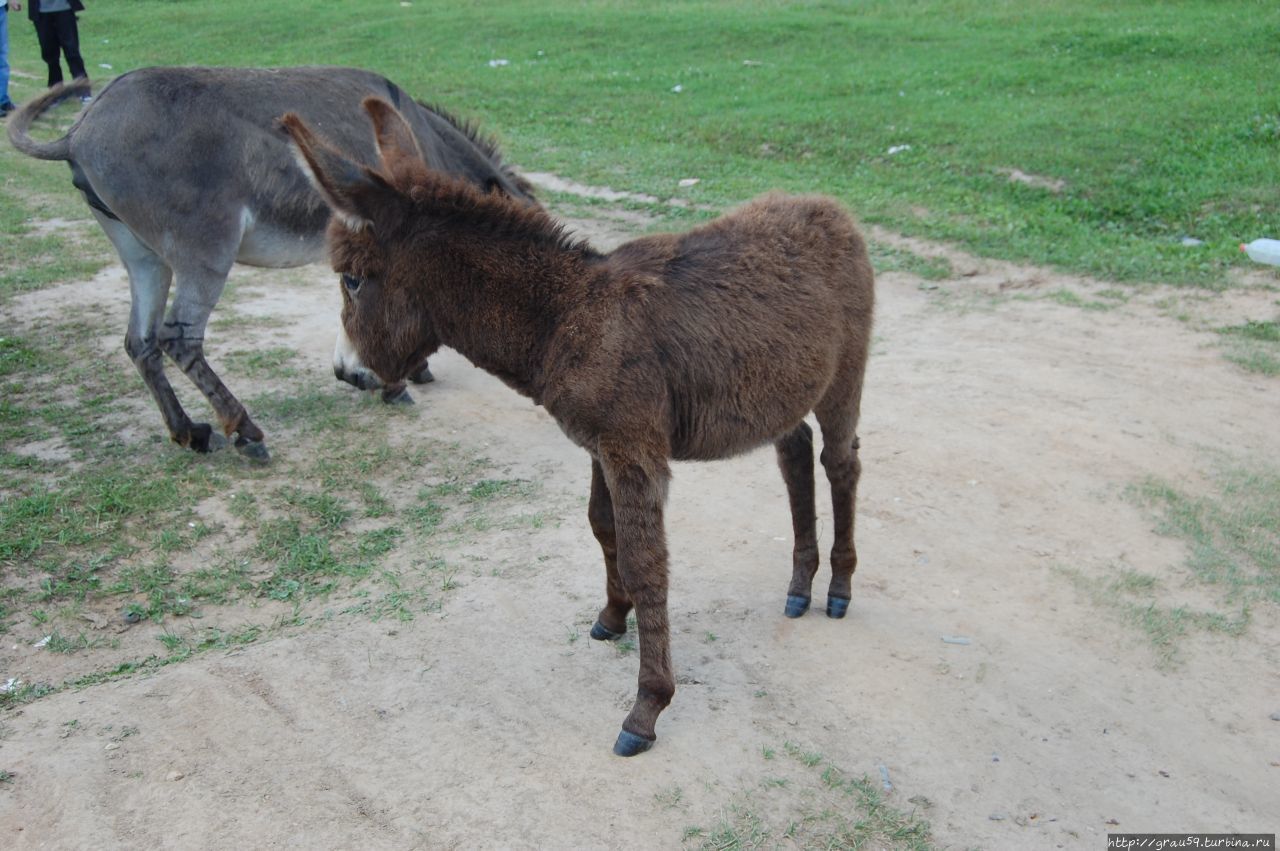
998, 437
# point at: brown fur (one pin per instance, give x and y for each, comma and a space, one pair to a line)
698, 346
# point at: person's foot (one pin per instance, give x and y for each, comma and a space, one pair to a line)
6, 108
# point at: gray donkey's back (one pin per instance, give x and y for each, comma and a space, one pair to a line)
188, 173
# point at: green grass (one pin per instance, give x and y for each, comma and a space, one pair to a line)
113, 530
1254, 346
818, 805
1233, 535
265, 363
1161, 120
1233, 562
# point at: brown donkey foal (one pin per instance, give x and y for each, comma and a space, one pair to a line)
695, 346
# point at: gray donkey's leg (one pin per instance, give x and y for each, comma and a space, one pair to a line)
182, 339
149, 279
795, 459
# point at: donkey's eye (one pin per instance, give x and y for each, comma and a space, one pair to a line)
351, 282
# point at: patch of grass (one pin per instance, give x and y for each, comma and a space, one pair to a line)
325, 508
1233, 535
1067, 298
819, 806
59, 643
1233, 543
1254, 346
886, 258
263, 363
488, 490
325, 410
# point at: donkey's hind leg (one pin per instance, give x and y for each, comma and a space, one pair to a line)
182, 338
149, 280
611, 623
795, 459
838, 418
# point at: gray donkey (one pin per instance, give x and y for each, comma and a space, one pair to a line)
188, 173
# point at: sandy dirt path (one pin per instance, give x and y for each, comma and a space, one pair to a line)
998, 439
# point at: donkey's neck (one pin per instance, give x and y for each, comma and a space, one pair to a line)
499, 299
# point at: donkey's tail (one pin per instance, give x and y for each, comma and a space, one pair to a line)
20, 122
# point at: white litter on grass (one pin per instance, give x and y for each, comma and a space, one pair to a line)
42, 642
104, 65
690, 181
405, 4
677, 88
897, 149
752, 63
498, 63
11, 686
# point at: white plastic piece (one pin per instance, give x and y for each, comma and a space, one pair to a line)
1263, 251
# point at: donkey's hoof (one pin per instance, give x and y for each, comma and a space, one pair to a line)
796, 605
401, 396
837, 607
254, 450
202, 438
629, 744
602, 633
422, 376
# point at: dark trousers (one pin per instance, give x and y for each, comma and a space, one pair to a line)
57, 31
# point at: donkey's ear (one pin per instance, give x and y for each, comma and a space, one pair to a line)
402, 158
353, 191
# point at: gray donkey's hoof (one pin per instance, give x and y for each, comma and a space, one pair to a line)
602, 633
422, 376
202, 438
796, 605
254, 450
629, 744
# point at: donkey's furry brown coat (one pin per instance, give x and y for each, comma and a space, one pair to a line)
693, 346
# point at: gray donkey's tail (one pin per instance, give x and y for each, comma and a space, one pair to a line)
20, 122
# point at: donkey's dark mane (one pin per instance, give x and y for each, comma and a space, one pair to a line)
457, 204
485, 143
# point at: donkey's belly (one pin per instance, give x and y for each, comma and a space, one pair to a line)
266, 244
709, 435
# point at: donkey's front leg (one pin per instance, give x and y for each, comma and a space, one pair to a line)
182, 338
638, 486
611, 623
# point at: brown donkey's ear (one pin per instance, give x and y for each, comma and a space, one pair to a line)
351, 190
402, 158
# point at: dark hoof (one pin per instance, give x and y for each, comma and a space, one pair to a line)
254, 450
629, 744
204, 439
600, 633
796, 605
423, 376
837, 607
397, 396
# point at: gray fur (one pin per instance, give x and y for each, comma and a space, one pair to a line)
188, 173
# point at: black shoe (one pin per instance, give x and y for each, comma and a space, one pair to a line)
6, 108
